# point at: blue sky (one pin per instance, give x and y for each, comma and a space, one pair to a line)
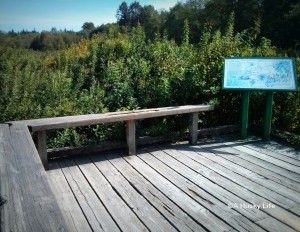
63, 14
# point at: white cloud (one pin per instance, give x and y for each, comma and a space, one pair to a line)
166, 4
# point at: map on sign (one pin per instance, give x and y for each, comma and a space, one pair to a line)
260, 74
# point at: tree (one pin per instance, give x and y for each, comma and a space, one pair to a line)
36, 44
295, 11
175, 21
246, 12
135, 12
53, 30
123, 15
88, 26
280, 22
12, 33
192, 11
151, 20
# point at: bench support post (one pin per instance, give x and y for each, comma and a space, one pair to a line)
130, 137
193, 128
42, 148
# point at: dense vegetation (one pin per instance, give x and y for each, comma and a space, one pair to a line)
113, 71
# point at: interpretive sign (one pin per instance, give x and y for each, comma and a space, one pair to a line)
263, 74
274, 74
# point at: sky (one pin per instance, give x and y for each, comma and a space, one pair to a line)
64, 14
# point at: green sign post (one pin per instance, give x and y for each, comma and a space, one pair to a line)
268, 116
245, 112
259, 74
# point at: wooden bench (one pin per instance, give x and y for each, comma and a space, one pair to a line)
28, 203
44, 124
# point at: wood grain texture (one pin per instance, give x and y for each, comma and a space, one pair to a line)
294, 166
280, 154
66, 200
189, 205
96, 213
42, 148
130, 137
31, 205
10, 220
284, 171
111, 199
179, 219
248, 193
281, 151
178, 187
93, 119
218, 155
193, 127
185, 187
257, 170
210, 158
139, 205
177, 175
219, 187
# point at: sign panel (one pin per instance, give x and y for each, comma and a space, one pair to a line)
275, 74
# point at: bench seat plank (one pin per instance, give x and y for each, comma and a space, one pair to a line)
44, 124
30, 204
93, 119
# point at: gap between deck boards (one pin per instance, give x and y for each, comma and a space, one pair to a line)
182, 187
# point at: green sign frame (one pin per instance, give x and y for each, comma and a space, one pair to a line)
260, 73
268, 74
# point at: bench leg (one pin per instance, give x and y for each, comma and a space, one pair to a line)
193, 128
42, 148
130, 136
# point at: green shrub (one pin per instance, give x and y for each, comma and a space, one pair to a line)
127, 72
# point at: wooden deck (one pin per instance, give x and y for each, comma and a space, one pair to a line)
220, 185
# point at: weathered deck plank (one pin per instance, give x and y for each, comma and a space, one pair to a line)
210, 160
266, 184
114, 204
142, 208
67, 202
274, 154
30, 204
189, 205
263, 163
179, 219
179, 187
9, 186
233, 218
271, 159
221, 188
235, 156
279, 150
249, 193
93, 208
186, 188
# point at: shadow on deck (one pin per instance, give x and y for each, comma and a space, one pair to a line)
220, 185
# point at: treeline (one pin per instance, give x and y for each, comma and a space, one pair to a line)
277, 20
41, 41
